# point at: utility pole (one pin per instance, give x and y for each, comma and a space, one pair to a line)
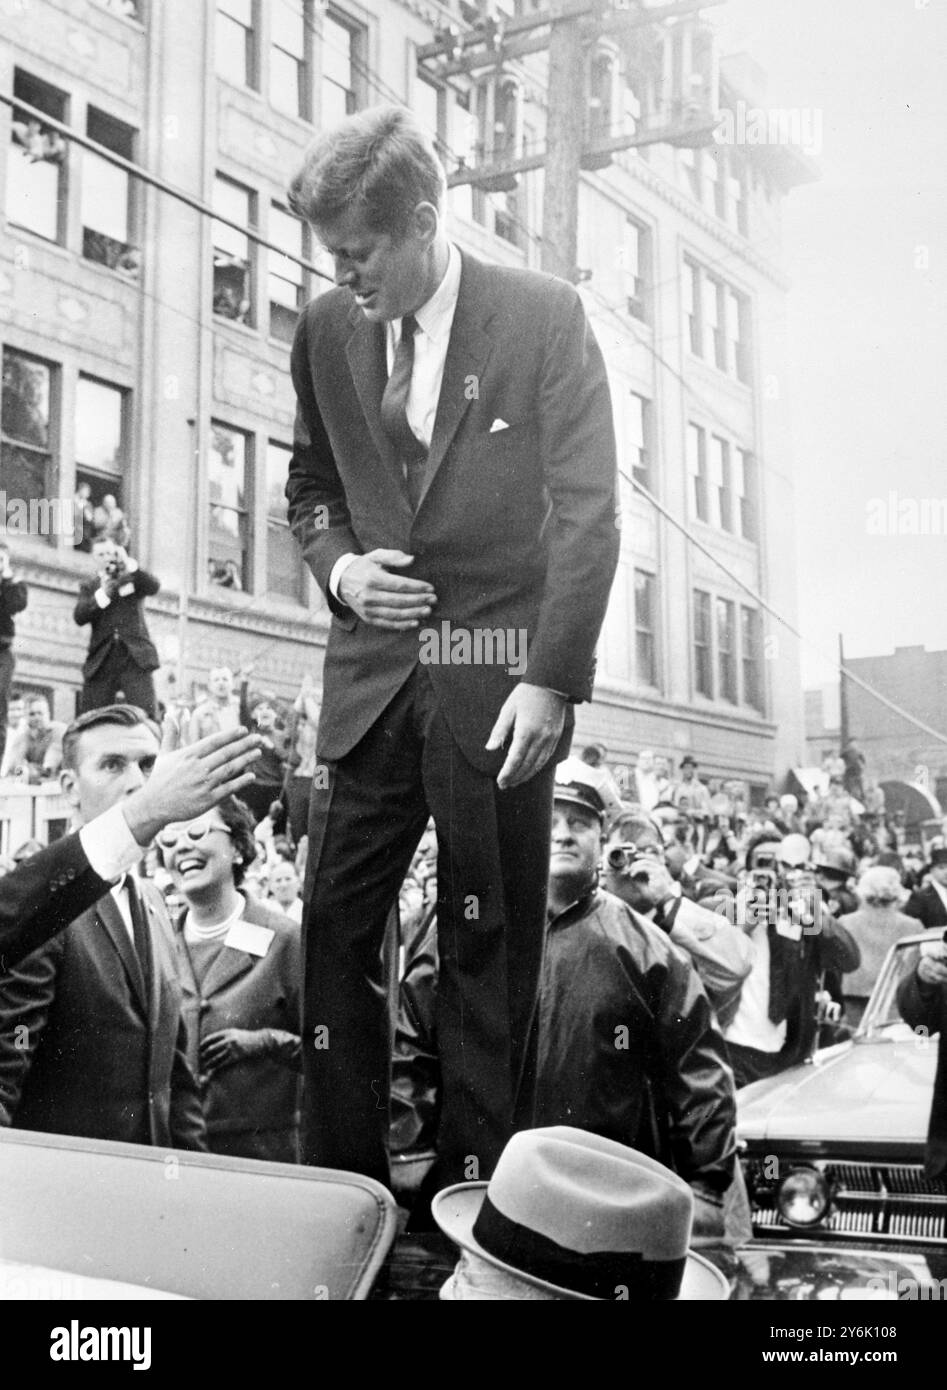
565, 136
573, 26
842, 697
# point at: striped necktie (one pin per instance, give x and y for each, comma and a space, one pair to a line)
394, 412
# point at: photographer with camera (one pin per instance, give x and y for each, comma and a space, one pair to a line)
796, 939
635, 869
122, 655
922, 1001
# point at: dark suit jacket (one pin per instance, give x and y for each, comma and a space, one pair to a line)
13, 596
241, 990
923, 1006
83, 1051
42, 895
123, 619
926, 905
516, 528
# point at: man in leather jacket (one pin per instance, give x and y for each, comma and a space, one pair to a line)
628, 1044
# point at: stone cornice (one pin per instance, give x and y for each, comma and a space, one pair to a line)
692, 212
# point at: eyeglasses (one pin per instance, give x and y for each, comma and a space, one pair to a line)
195, 832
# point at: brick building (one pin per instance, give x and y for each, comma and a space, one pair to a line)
146, 344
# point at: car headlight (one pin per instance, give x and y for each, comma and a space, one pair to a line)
803, 1197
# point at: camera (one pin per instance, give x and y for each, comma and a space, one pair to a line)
113, 568
624, 857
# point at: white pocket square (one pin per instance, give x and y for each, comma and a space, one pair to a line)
498, 424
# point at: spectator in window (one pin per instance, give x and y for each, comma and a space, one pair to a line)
12, 601
35, 753
122, 656
240, 969
84, 518
16, 716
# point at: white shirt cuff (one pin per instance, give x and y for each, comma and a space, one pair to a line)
109, 845
337, 571
101, 598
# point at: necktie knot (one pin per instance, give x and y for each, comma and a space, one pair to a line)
409, 326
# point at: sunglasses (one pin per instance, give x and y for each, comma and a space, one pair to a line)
194, 832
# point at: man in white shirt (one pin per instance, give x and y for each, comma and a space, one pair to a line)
91, 1036
452, 488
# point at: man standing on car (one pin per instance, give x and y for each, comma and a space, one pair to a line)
454, 465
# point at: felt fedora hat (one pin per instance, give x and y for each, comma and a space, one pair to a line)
582, 1218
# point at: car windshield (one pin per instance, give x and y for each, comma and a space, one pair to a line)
882, 1011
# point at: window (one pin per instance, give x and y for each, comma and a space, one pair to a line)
726, 651
285, 571
100, 439
228, 530
26, 459
721, 497
744, 485
291, 22
634, 255
106, 197
638, 429
128, 9
341, 56
693, 307
427, 106
714, 165
235, 42
750, 647
703, 676
645, 662
718, 321
697, 468
36, 160
736, 186
690, 165
715, 304
287, 280
737, 354
232, 264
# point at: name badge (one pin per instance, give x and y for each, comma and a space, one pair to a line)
247, 936
126, 589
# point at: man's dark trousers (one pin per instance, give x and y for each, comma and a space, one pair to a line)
493, 865
7, 665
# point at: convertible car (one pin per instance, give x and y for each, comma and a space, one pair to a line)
833, 1156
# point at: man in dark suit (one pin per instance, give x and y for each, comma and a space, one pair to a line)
43, 894
122, 655
13, 596
922, 1001
929, 904
452, 487
92, 1040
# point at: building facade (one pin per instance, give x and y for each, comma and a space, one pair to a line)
146, 336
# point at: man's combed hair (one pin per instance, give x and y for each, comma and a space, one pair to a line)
128, 716
380, 161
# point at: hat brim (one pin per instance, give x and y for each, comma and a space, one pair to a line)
567, 794
455, 1210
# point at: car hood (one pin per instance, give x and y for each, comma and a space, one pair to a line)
874, 1090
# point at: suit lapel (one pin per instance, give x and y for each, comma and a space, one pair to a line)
467, 354
109, 915
227, 966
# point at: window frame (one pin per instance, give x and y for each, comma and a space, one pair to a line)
251, 320
248, 568
301, 596
46, 91
358, 59
647, 634
124, 395
251, 45
703, 643
124, 261
51, 454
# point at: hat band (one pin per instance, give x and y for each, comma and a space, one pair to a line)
603, 1274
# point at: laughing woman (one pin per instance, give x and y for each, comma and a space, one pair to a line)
240, 967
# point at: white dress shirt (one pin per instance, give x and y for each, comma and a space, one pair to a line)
435, 320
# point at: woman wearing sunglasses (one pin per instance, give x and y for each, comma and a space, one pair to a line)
240, 968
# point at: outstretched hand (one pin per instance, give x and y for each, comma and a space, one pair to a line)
188, 781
